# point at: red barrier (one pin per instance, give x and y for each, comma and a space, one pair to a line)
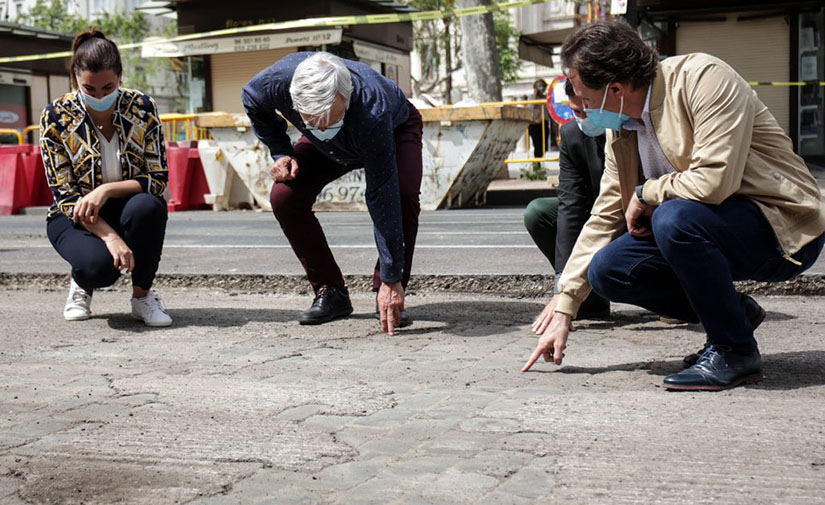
38, 187
187, 183
14, 191
23, 179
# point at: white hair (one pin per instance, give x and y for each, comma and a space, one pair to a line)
317, 81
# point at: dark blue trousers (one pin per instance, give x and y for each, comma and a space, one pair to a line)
139, 220
687, 268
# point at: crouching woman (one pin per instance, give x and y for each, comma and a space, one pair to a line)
105, 161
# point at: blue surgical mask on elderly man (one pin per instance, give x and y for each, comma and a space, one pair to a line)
607, 119
588, 128
101, 104
329, 132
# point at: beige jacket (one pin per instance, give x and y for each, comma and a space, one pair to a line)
722, 140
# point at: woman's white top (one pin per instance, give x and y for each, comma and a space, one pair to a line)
110, 154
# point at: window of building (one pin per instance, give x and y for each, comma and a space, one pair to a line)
14, 108
811, 140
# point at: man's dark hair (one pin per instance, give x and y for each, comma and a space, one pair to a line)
568, 88
609, 51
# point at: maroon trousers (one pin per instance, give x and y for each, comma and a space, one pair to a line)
292, 204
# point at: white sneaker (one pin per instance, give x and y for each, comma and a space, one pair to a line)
151, 310
78, 305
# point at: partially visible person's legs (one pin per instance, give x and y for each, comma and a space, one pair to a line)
686, 270
540, 219
292, 205
539, 143
141, 221
709, 247
633, 270
143, 225
92, 264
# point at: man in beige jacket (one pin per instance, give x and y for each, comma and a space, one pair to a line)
707, 185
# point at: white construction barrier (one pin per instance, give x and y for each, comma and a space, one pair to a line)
464, 148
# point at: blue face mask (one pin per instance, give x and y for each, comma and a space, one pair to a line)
101, 104
607, 119
588, 128
329, 132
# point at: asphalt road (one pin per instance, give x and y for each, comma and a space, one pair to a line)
477, 241
451, 242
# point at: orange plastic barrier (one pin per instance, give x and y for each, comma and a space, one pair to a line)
187, 183
39, 193
21, 178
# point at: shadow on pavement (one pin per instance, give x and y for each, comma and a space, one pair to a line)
220, 317
792, 370
474, 318
624, 319
653, 368
782, 371
779, 316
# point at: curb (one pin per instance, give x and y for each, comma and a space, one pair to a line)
522, 286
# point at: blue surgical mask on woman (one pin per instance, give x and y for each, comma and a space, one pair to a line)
101, 104
588, 128
607, 119
329, 132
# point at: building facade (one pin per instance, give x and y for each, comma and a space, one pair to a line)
219, 67
766, 41
27, 87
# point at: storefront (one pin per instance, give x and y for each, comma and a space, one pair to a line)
811, 98
217, 69
766, 42
27, 87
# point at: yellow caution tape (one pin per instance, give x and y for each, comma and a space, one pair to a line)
798, 83
306, 23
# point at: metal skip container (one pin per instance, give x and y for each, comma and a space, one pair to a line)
464, 148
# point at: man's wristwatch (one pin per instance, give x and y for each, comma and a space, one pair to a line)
639, 193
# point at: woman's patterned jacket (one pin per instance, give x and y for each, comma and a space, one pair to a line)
71, 149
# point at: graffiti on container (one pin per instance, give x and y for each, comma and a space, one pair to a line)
350, 188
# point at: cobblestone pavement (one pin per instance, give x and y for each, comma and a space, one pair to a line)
237, 403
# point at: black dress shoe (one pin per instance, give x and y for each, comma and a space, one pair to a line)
405, 321
330, 303
754, 311
718, 368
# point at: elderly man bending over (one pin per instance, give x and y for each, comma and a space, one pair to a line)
350, 117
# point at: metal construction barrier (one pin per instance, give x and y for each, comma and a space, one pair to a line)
12, 131
545, 128
31, 129
180, 127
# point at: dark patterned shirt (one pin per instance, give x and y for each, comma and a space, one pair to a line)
377, 107
72, 155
